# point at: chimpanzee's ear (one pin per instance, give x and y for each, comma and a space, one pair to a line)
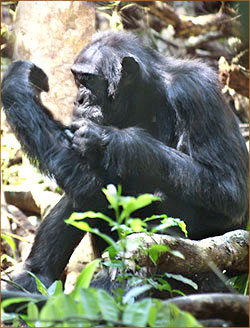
111, 70
130, 66
125, 70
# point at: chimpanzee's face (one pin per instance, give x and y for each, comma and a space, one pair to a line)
104, 75
92, 93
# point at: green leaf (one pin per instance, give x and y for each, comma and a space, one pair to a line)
177, 254
131, 204
86, 275
114, 264
10, 242
169, 315
56, 288
55, 309
156, 217
112, 252
76, 216
152, 315
162, 285
185, 280
15, 300
108, 306
168, 222
145, 200
33, 312
241, 283
137, 225
80, 225
89, 215
137, 314
89, 300
177, 291
112, 195
40, 286
177, 222
155, 251
60, 307
134, 292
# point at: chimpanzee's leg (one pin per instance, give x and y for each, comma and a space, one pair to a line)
54, 243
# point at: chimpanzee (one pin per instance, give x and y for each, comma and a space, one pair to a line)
152, 124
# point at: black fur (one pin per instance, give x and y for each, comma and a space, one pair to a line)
149, 123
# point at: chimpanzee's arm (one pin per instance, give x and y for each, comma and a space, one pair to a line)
42, 138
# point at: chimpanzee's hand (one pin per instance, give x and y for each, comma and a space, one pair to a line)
23, 77
38, 79
88, 140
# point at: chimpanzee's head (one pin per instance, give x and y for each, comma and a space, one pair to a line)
107, 69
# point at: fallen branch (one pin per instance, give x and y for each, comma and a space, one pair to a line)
207, 308
227, 252
229, 307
